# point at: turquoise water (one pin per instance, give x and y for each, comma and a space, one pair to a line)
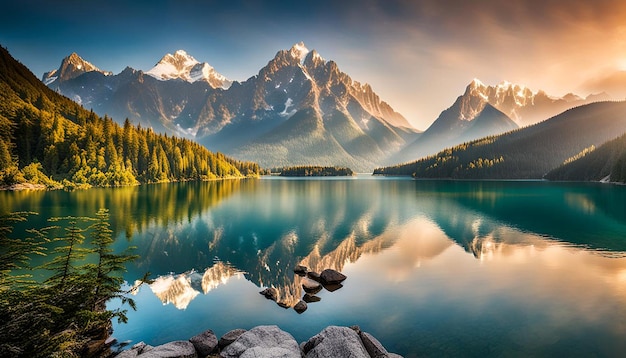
435, 268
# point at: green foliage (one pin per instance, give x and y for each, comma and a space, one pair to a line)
65, 313
315, 171
594, 164
79, 149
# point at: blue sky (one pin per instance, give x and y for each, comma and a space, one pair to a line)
417, 55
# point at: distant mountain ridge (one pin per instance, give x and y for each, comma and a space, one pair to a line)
500, 108
526, 153
518, 102
300, 109
71, 67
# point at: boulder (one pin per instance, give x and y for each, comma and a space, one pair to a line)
335, 341
310, 286
205, 343
176, 349
300, 270
135, 350
332, 277
263, 341
300, 306
230, 337
310, 298
270, 293
373, 346
313, 276
393, 355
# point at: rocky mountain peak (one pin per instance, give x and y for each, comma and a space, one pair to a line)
185, 67
299, 51
71, 67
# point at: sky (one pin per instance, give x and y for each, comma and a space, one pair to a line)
417, 55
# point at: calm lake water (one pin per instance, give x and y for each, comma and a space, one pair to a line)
435, 268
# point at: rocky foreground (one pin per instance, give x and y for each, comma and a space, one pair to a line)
268, 342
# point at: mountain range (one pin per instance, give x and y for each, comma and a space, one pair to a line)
300, 109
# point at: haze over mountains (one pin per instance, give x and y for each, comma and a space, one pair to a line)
300, 109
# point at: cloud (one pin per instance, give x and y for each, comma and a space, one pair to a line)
614, 83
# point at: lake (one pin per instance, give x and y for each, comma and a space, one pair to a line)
435, 268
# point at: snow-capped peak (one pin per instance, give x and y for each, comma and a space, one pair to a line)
183, 66
476, 83
299, 51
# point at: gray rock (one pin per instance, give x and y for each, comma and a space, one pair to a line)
311, 286
313, 276
270, 293
335, 341
300, 306
393, 355
373, 346
176, 349
230, 337
205, 343
300, 270
274, 352
135, 350
263, 341
332, 277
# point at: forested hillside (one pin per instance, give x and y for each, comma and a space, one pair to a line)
315, 171
608, 160
527, 153
48, 139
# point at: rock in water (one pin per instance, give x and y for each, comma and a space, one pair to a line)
263, 342
311, 286
335, 341
270, 293
300, 270
310, 298
332, 277
176, 349
300, 306
373, 346
313, 276
230, 337
205, 343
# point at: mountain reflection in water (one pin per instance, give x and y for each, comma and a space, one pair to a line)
435, 268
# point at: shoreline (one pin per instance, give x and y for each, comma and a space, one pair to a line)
42, 187
268, 341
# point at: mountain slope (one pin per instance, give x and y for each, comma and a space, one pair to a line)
356, 124
527, 153
45, 138
607, 162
